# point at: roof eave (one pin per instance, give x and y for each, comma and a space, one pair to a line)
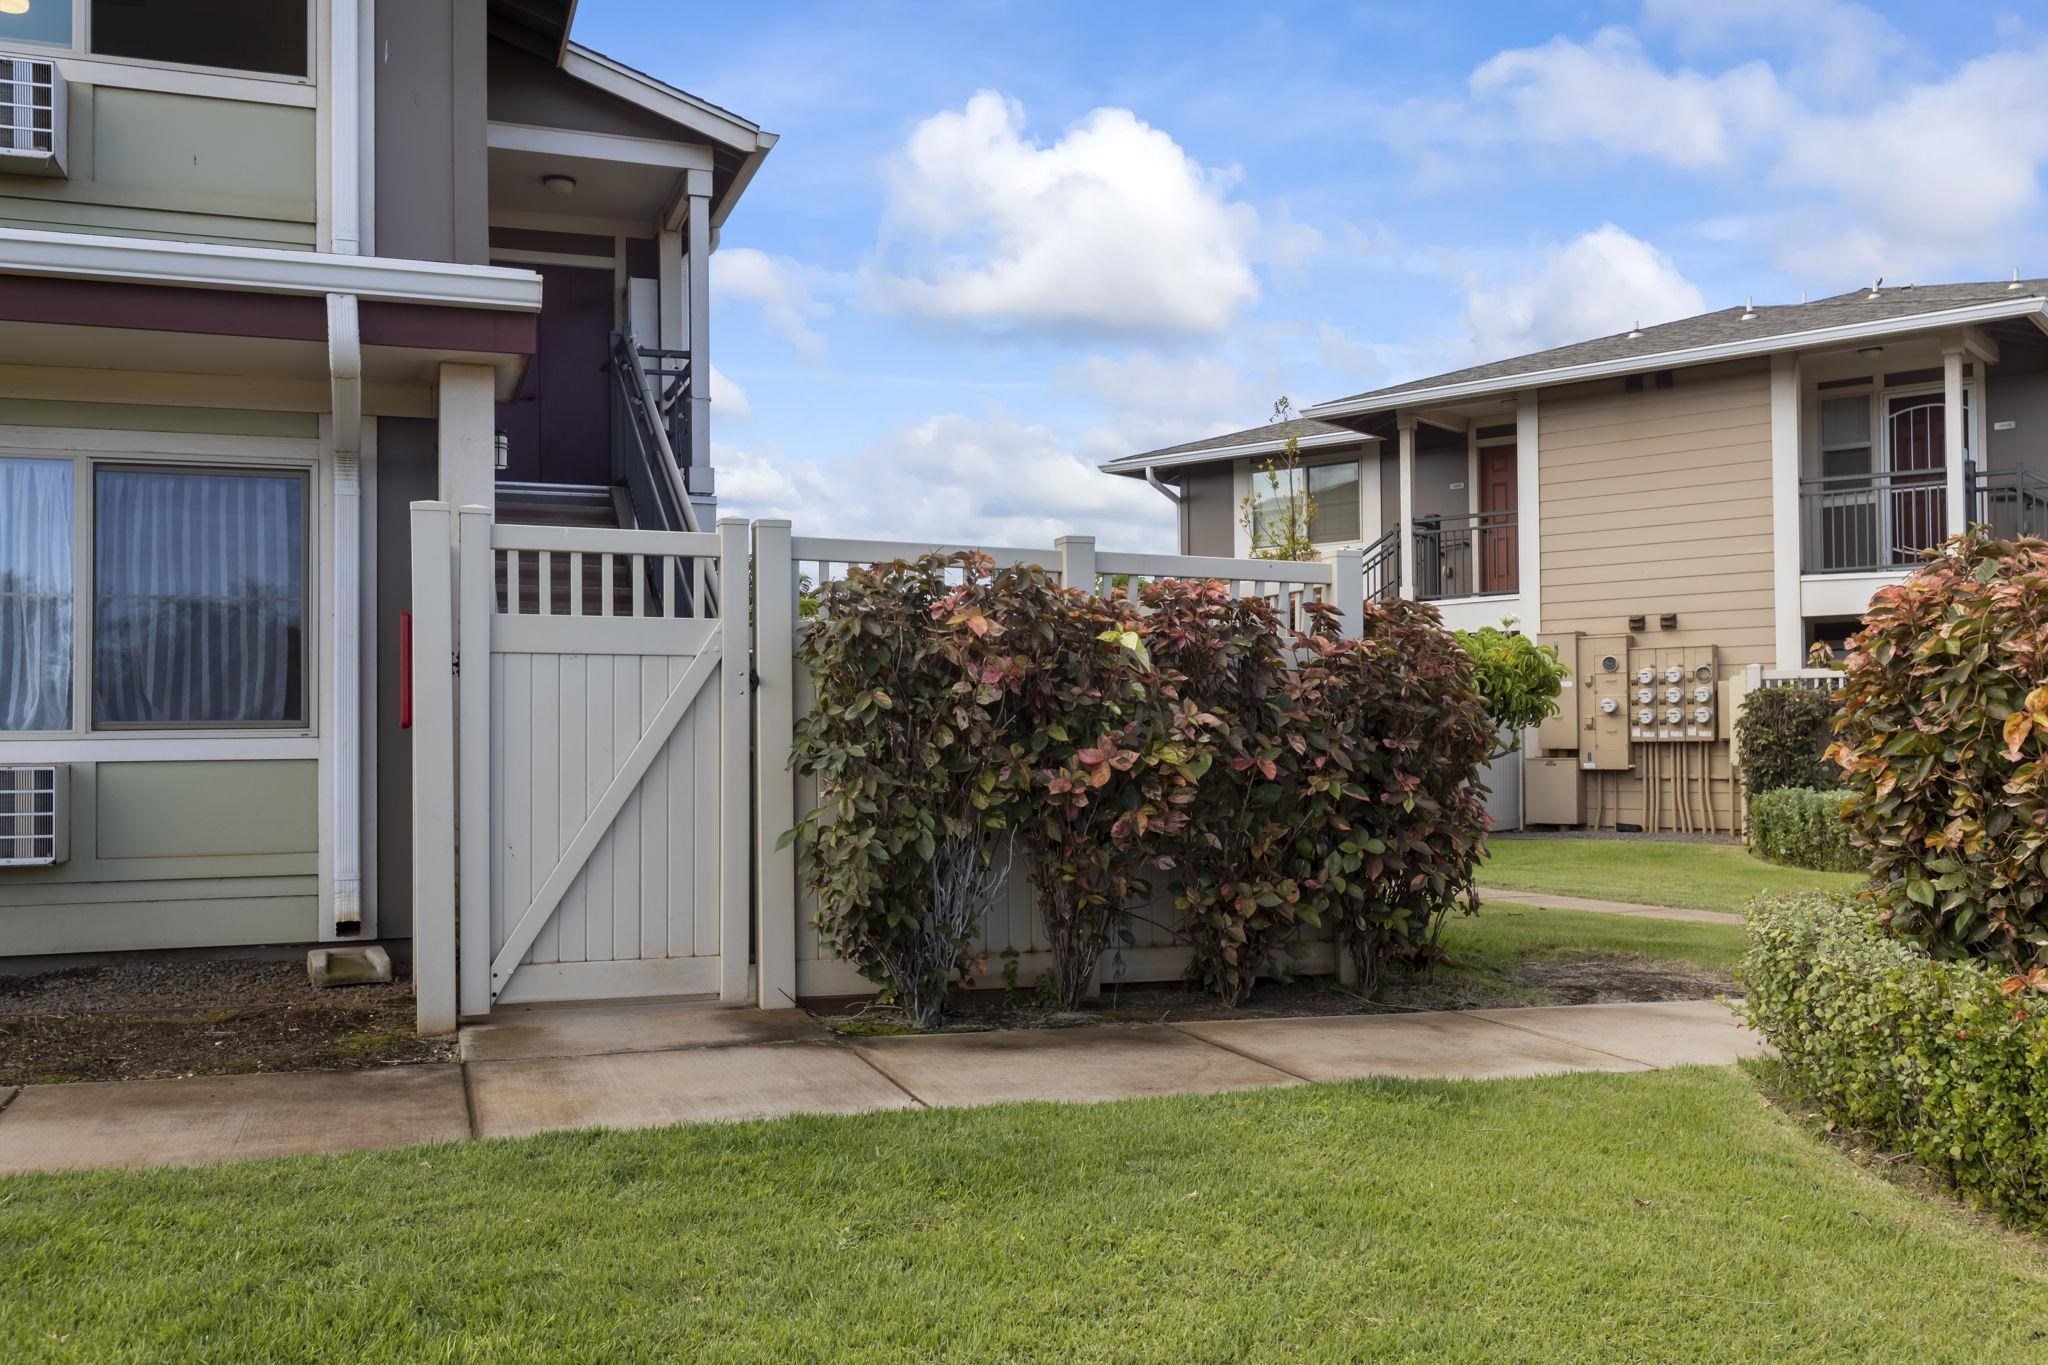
1136, 465
1692, 355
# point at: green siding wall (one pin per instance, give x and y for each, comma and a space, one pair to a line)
172, 855
183, 166
51, 412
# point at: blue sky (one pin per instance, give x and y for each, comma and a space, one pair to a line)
999, 243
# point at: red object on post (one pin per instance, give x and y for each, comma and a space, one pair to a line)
405, 670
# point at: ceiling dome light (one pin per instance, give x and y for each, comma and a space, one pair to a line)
13, 6
556, 184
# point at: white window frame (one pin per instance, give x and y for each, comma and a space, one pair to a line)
80, 63
88, 449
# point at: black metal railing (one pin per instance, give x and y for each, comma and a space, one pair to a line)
2012, 502
1383, 567
645, 452
1870, 523
1474, 554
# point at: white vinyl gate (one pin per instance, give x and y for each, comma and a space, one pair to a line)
602, 757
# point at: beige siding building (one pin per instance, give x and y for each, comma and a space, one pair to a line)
1680, 509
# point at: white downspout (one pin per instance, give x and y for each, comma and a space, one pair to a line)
344, 128
344, 723
1179, 501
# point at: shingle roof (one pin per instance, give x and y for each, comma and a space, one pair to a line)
1727, 325
1273, 434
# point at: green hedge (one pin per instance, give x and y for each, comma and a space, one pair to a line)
1801, 827
1929, 1057
1782, 737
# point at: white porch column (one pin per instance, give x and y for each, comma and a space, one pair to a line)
1405, 422
468, 427
698, 261
341, 688
1528, 514
1789, 631
673, 330
1952, 431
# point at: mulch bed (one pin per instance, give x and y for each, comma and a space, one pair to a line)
1592, 979
144, 1020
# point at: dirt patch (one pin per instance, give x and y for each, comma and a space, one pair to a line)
1586, 979
146, 1020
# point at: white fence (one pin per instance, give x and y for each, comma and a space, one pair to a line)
791, 959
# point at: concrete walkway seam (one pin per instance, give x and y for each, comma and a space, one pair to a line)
1588, 1047
839, 1041
1266, 1062
8, 1098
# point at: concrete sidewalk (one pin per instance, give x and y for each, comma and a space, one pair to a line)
1544, 901
642, 1065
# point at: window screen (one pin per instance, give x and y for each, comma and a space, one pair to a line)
241, 35
199, 597
35, 594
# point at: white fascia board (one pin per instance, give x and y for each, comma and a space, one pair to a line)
743, 177
572, 144
265, 270
1137, 467
1694, 355
677, 106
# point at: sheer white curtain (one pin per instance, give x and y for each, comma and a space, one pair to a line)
35, 594
198, 597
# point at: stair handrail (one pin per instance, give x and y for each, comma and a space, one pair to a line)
643, 404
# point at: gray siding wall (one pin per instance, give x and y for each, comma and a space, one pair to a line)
407, 472
1209, 516
432, 177
2019, 397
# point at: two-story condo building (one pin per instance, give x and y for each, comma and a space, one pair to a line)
271, 270
1679, 508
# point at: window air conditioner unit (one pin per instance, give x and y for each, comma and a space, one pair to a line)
33, 99
35, 814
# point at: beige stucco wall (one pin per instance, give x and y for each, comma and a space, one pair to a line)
148, 163
1657, 502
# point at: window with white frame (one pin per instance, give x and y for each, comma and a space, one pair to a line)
1332, 489
1845, 435
262, 37
189, 609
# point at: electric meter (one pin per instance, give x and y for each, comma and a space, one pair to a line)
1702, 716
1703, 694
1646, 717
1674, 717
1673, 694
1704, 673
1608, 706
1646, 675
1674, 673
1645, 696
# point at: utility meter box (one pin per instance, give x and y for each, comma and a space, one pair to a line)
1551, 791
1673, 696
1603, 703
1561, 731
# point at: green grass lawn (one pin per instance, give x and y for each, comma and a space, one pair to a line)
1647, 872
1501, 933
1666, 1216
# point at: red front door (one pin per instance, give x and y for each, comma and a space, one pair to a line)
1499, 555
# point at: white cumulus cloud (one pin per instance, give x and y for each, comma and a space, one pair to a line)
1601, 282
784, 290
1111, 228
951, 479
728, 399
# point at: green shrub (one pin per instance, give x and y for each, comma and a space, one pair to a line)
898, 849
1234, 892
1519, 679
1944, 749
1940, 1059
1391, 789
1782, 738
1800, 827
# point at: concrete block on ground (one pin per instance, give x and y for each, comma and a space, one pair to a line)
694, 1085
1080, 1064
595, 1030
205, 1119
1656, 1033
1443, 1043
367, 965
